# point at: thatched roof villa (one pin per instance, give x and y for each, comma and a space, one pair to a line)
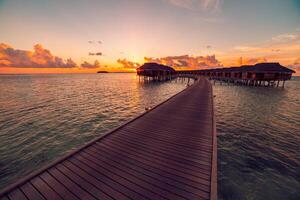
260, 71
156, 71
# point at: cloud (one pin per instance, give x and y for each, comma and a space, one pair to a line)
296, 65
94, 42
251, 61
128, 64
88, 65
256, 49
285, 37
275, 50
198, 62
205, 5
297, 62
247, 48
38, 58
95, 54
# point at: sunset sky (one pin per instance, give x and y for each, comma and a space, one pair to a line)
65, 36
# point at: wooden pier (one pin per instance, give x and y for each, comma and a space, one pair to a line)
168, 152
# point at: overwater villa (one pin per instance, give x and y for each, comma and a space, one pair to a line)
261, 74
156, 72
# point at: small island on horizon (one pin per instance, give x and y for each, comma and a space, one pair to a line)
102, 72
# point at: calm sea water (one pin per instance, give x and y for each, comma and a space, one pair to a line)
42, 117
45, 116
258, 141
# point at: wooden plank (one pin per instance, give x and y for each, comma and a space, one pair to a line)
97, 182
131, 175
160, 178
113, 183
176, 162
57, 186
163, 163
171, 131
163, 173
30, 192
4, 198
17, 194
192, 130
168, 138
182, 147
165, 134
44, 189
178, 191
80, 189
124, 180
128, 142
160, 161
166, 147
182, 121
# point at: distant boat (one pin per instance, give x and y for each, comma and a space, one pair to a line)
102, 72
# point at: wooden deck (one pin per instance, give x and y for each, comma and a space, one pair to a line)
167, 153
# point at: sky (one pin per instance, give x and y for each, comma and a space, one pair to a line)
66, 36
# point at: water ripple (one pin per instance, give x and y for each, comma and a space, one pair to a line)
258, 141
45, 116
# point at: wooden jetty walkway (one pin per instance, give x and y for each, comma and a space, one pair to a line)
168, 152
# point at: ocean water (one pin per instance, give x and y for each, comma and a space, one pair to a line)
43, 117
258, 141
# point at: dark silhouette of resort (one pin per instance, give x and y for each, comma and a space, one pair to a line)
156, 72
262, 74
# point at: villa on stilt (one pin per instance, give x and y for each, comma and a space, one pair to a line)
156, 72
261, 74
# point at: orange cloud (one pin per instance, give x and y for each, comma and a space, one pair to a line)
186, 61
88, 65
251, 61
296, 66
96, 54
128, 64
38, 58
